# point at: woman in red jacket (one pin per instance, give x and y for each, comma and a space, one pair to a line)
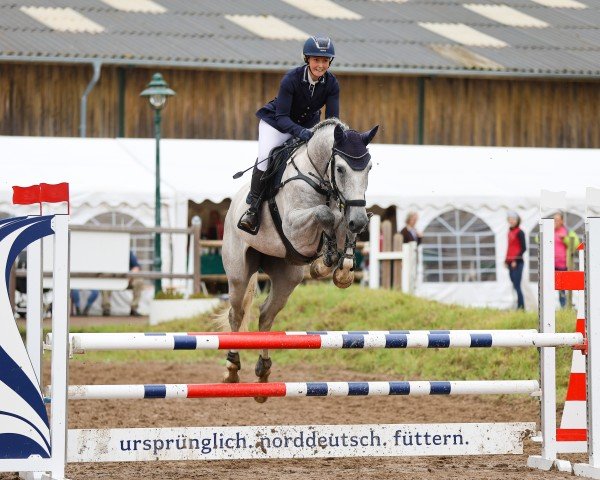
514, 255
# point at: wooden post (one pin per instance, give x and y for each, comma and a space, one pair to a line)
398, 265
386, 265
196, 255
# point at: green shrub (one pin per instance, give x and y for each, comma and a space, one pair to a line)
168, 294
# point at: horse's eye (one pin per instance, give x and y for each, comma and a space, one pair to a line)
339, 170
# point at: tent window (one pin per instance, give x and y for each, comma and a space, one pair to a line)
459, 247
572, 222
142, 245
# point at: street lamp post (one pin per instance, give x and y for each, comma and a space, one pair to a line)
157, 92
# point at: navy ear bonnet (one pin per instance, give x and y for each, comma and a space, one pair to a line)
352, 146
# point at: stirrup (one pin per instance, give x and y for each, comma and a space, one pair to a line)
246, 228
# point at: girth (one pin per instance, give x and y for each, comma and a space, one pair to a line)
292, 255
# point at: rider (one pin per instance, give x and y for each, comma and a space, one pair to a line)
302, 93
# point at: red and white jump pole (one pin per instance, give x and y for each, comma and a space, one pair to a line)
82, 342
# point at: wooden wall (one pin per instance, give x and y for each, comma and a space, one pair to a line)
37, 99
523, 113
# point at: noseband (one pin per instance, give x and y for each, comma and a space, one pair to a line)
342, 201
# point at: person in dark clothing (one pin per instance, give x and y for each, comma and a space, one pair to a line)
409, 232
303, 91
514, 255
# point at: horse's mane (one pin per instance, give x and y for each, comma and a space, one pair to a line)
330, 121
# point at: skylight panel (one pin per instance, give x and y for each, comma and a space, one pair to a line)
268, 26
461, 33
561, 4
137, 6
506, 15
63, 19
324, 9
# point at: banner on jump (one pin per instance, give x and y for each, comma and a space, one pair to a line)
298, 441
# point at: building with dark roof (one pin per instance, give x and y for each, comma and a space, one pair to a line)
514, 73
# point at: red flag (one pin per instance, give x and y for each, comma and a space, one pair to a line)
26, 195
54, 193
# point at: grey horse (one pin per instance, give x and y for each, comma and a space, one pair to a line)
330, 205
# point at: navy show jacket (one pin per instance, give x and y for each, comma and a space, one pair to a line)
294, 109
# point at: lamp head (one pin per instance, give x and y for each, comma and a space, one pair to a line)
157, 92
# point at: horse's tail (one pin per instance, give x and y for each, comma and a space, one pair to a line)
222, 319
247, 302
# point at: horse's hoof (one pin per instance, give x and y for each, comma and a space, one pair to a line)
342, 279
318, 269
231, 376
260, 399
313, 271
263, 369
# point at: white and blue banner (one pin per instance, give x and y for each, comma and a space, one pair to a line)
24, 426
296, 441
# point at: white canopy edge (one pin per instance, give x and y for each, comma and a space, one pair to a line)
120, 172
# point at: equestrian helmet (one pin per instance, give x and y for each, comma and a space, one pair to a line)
317, 46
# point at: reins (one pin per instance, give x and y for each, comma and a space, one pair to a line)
325, 186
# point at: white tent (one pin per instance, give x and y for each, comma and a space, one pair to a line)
118, 174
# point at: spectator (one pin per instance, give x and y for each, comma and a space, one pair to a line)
409, 232
136, 284
565, 243
514, 255
215, 226
76, 301
560, 251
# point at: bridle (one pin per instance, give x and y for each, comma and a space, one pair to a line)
325, 184
330, 185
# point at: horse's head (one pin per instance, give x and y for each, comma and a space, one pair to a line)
350, 166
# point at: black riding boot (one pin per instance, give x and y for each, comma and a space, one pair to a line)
250, 221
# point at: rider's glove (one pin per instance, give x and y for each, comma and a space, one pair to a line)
305, 135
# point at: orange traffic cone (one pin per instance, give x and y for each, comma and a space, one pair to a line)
571, 437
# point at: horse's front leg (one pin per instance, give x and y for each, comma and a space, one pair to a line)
327, 221
343, 276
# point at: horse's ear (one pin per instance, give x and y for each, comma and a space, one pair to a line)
338, 134
366, 137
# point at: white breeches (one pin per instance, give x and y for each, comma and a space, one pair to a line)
268, 139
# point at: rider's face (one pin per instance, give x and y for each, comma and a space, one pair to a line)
318, 66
